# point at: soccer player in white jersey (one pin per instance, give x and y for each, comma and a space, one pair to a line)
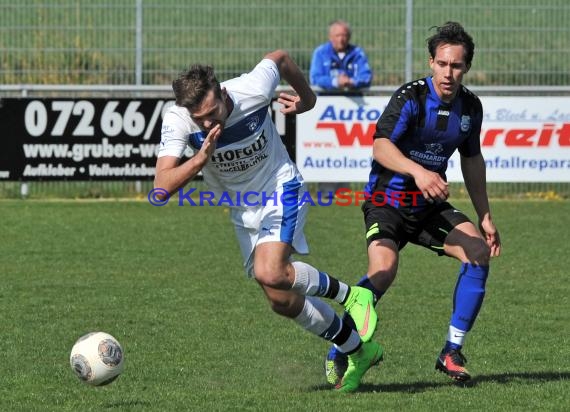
232, 139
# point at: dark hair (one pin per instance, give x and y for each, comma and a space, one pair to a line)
452, 33
192, 86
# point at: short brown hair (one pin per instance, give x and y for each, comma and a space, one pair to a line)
192, 86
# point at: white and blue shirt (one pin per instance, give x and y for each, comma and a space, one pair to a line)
249, 154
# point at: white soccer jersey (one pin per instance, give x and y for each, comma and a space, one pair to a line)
249, 155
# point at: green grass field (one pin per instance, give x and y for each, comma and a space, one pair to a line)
197, 335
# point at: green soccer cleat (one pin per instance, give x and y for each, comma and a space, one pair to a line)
336, 363
370, 354
360, 306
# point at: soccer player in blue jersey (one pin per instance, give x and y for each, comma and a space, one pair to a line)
423, 124
228, 131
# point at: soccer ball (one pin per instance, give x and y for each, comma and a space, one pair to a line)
97, 358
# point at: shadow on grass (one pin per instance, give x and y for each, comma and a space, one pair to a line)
509, 377
499, 378
130, 403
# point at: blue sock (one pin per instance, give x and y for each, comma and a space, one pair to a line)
449, 346
365, 283
468, 295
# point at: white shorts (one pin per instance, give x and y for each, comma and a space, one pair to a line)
281, 219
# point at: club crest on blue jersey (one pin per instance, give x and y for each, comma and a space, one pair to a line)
465, 123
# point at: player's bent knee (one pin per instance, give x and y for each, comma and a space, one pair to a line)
273, 279
479, 253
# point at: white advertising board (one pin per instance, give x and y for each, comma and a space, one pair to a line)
523, 139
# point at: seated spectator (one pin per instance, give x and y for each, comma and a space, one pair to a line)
338, 64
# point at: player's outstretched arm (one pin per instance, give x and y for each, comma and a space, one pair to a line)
474, 176
289, 71
170, 175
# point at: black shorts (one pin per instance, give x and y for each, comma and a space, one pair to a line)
428, 229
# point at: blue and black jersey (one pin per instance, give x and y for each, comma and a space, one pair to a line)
426, 130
